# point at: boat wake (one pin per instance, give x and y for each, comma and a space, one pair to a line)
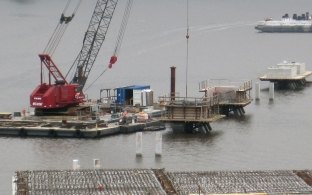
220, 27
173, 36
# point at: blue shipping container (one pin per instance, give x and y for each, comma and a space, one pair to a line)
126, 93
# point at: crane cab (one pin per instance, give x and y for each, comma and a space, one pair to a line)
55, 96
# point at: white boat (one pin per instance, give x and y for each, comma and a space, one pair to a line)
301, 23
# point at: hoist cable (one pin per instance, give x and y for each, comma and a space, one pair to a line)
119, 39
54, 39
78, 5
187, 46
51, 39
65, 8
121, 33
71, 67
122, 29
57, 41
96, 79
60, 29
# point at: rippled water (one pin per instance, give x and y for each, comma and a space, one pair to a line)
223, 44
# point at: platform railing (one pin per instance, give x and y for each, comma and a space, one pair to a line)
189, 108
189, 101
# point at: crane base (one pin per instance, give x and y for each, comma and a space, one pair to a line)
65, 111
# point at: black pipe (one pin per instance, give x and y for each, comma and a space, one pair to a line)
173, 79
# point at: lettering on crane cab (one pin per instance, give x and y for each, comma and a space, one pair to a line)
78, 96
37, 103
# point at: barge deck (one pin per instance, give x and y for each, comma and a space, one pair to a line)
71, 129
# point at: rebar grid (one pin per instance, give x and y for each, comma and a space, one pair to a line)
144, 182
272, 182
95, 182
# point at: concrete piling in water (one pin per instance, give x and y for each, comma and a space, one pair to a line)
235, 112
139, 140
76, 165
271, 92
14, 185
205, 128
96, 163
241, 111
158, 148
257, 91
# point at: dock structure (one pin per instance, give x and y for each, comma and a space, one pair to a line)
190, 114
72, 129
233, 96
287, 75
161, 182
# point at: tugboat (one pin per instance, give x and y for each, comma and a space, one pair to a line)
298, 23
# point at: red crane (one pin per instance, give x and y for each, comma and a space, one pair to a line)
57, 97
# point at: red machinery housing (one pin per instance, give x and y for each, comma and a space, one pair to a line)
57, 95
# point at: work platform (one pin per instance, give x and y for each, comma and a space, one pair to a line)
285, 75
232, 96
190, 113
161, 182
72, 129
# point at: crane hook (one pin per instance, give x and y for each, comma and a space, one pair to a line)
112, 61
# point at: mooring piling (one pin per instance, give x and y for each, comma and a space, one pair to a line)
271, 91
139, 140
76, 165
96, 163
158, 148
257, 91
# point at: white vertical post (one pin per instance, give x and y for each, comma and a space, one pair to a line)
76, 165
271, 91
257, 92
133, 117
139, 143
158, 148
13, 186
96, 163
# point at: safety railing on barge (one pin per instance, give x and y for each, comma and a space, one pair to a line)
190, 109
228, 92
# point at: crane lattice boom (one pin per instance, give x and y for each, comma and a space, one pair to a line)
93, 40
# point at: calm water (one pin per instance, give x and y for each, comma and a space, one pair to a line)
223, 44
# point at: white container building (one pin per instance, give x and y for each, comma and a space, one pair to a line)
281, 72
300, 67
